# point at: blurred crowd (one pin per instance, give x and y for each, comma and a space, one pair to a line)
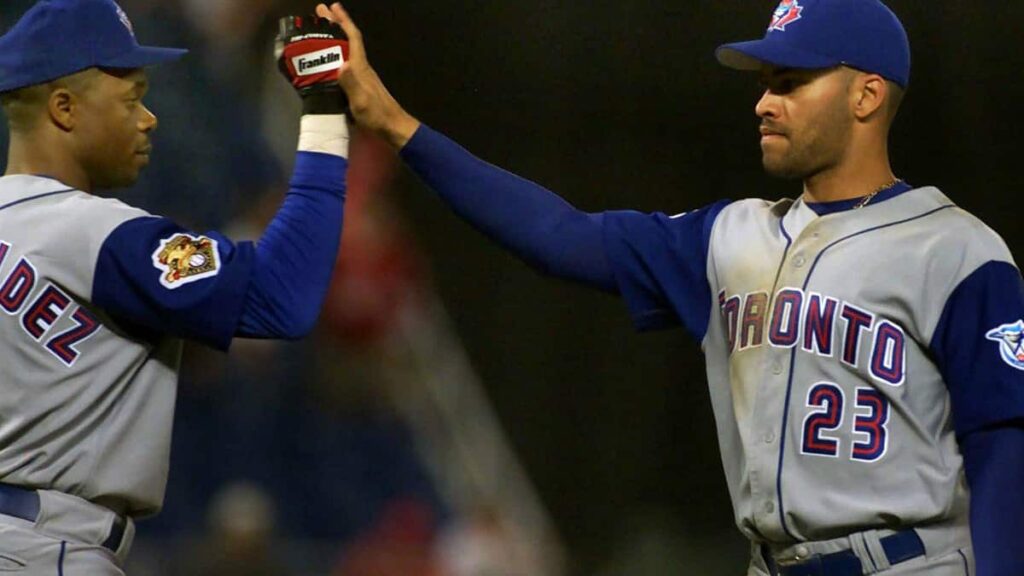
314, 457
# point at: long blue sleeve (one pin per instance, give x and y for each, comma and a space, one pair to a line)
534, 223
994, 462
295, 256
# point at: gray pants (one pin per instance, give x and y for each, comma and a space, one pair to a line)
65, 540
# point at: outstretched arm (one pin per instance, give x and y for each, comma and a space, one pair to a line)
534, 223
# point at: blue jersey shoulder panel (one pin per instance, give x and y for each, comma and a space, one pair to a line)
979, 346
153, 273
660, 265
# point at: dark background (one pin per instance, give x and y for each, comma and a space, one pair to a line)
622, 105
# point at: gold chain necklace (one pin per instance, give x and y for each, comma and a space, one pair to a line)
867, 199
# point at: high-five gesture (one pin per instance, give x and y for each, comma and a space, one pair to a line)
372, 106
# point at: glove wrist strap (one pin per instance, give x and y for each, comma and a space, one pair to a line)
330, 101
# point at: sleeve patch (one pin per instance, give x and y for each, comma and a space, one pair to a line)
184, 258
1011, 343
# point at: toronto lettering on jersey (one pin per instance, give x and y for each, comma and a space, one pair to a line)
813, 322
37, 316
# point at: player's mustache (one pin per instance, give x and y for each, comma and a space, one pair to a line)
769, 128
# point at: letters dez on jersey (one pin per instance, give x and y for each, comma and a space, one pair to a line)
63, 279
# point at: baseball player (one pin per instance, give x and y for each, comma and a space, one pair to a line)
864, 342
96, 296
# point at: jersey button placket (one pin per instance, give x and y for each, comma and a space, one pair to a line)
780, 363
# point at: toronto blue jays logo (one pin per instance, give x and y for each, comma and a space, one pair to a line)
787, 13
1011, 343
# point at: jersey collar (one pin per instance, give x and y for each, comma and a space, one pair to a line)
825, 208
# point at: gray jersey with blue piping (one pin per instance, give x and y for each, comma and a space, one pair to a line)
89, 383
85, 407
844, 352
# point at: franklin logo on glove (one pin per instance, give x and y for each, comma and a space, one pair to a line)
321, 61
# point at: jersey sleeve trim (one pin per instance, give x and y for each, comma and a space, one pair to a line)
36, 197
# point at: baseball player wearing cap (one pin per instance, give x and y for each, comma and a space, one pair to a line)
863, 341
96, 296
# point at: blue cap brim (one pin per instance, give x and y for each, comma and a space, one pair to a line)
143, 56
755, 54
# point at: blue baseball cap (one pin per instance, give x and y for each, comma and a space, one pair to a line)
56, 38
814, 34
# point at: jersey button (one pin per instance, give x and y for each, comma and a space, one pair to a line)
776, 368
799, 260
769, 438
769, 507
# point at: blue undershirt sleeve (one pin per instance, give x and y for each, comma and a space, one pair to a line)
535, 224
660, 264
295, 257
994, 461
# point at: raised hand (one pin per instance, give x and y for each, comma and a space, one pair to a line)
310, 52
372, 106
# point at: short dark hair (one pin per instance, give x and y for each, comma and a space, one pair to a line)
21, 105
895, 100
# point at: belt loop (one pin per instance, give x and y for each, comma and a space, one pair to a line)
859, 547
116, 534
769, 562
873, 542
127, 539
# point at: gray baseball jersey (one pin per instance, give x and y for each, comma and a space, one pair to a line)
845, 349
87, 394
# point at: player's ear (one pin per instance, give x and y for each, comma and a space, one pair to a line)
869, 92
61, 108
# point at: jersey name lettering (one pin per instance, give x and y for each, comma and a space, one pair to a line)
812, 321
39, 316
